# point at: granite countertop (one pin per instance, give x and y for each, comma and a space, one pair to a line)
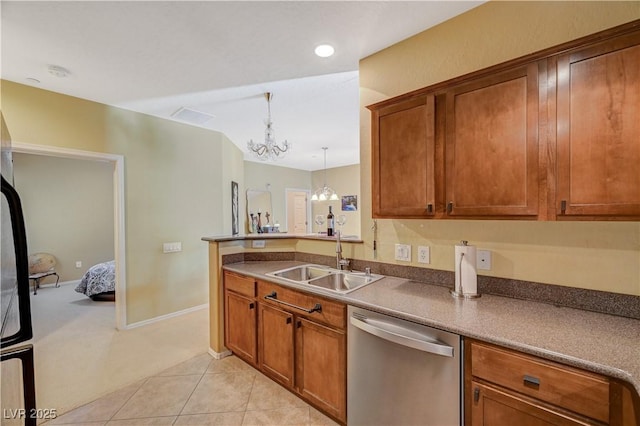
601, 343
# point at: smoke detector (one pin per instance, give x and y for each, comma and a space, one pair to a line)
58, 71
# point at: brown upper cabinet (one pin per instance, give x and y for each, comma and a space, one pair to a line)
403, 153
551, 136
491, 151
598, 130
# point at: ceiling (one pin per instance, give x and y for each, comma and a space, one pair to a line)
218, 57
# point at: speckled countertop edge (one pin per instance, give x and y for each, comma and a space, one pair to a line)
601, 343
280, 236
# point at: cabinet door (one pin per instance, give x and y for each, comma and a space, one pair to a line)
321, 366
494, 407
240, 326
491, 147
598, 130
276, 344
403, 155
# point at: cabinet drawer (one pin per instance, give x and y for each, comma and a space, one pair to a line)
240, 284
331, 313
576, 390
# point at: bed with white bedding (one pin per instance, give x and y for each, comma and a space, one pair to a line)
99, 282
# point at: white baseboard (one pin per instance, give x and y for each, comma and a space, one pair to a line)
219, 355
167, 316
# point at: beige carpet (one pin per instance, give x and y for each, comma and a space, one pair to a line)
80, 356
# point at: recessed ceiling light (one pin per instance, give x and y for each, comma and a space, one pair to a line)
324, 50
33, 80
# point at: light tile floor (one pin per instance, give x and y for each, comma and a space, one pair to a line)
201, 391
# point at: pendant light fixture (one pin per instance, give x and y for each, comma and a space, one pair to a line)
325, 193
269, 150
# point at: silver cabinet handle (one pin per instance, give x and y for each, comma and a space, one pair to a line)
531, 381
402, 336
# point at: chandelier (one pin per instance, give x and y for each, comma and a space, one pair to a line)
269, 149
325, 193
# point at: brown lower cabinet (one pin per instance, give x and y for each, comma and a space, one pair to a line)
297, 339
276, 340
240, 310
505, 387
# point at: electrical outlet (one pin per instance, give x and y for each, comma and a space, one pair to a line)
258, 244
403, 252
424, 254
483, 260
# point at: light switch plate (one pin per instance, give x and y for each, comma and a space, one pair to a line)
171, 247
403, 252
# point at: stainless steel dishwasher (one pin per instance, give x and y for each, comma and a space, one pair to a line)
401, 373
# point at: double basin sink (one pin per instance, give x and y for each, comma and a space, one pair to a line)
334, 280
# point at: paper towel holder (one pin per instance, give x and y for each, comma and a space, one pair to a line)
464, 296
461, 294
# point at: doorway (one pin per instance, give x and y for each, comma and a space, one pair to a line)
298, 211
118, 197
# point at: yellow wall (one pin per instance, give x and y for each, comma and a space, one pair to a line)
177, 187
592, 255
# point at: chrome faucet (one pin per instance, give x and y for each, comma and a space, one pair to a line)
340, 261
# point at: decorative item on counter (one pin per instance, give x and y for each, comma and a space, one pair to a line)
330, 224
259, 224
252, 225
319, 220
266, 228
466, 276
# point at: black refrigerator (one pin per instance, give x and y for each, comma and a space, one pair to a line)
17, 385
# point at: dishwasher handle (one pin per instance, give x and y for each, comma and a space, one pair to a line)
402, 336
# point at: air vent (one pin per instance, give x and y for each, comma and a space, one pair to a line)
191, 116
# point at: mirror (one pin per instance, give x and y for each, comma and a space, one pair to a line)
259, 212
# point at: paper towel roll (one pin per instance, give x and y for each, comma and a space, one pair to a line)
466, 274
